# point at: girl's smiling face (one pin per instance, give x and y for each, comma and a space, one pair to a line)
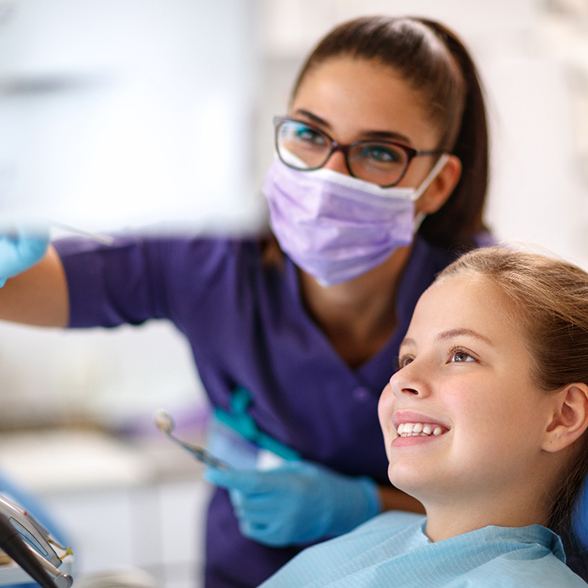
465, 379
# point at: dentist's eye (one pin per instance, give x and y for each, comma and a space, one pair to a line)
404, 360
308, 135
460, 356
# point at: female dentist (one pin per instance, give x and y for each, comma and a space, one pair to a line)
379, 182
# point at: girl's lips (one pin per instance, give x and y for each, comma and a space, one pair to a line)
407, 438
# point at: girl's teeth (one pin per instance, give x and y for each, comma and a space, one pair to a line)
418, 430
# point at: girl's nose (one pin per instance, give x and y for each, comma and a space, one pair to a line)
410, 391
408, 383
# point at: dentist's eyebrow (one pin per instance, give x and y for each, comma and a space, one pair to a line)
382, 135
313, 117
452, 333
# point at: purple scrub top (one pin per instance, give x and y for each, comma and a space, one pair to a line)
247, 327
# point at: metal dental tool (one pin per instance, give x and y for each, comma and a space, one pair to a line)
14, 546
165, 423
42, 548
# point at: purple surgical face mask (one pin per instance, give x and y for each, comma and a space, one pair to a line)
337, 227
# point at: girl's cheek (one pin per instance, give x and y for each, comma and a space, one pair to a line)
385, 405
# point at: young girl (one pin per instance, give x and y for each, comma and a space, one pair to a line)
385, 128
485, 423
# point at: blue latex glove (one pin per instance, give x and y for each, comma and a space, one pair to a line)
297, 502
19, 251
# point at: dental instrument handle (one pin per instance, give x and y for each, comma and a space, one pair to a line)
165, 423
104, 239
201, 454
15, 547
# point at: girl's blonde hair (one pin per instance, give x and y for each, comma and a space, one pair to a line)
550, 298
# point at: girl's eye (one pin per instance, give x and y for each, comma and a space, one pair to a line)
461, 356
404, 360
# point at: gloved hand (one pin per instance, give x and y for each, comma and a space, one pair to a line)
297, 502
20, 250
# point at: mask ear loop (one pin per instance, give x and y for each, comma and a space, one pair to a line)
419, 217
435, 170
439, 165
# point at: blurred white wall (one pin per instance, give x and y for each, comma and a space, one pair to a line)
128, 112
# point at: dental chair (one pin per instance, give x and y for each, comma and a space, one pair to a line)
579, 561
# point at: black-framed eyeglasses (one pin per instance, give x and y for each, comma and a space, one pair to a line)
304, 147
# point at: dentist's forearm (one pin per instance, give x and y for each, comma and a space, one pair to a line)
394, 499
38, 296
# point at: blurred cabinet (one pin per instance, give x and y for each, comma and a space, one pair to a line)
157, 528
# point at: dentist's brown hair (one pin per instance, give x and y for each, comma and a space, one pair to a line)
435, 62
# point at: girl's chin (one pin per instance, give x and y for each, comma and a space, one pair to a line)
411, 481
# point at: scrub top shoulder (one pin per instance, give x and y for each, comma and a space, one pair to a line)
247, 327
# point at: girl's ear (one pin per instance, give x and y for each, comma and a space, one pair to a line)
441, 187
569, 420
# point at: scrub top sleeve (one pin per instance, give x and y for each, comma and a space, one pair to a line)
109, 285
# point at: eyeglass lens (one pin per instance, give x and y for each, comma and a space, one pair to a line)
305, 147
